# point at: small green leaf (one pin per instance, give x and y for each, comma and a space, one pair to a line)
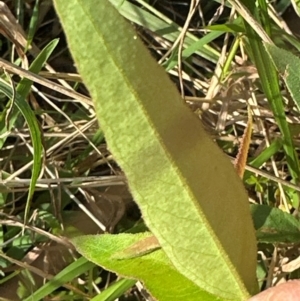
160, 277
275, 226
193, 48
33, 22
288, 65
235, 27
263, 157
25, 84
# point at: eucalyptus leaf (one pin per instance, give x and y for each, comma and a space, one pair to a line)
191, 198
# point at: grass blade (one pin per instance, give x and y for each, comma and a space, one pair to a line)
71, 272
115, 290
22, 106
24, 87
167, 30
36, 137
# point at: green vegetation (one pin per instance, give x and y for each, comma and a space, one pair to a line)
199, 238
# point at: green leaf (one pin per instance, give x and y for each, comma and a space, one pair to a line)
25, 84
234, 27
288, 65
33, 22
193, 48
264, 156
176, 173
153, 269
275, 226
